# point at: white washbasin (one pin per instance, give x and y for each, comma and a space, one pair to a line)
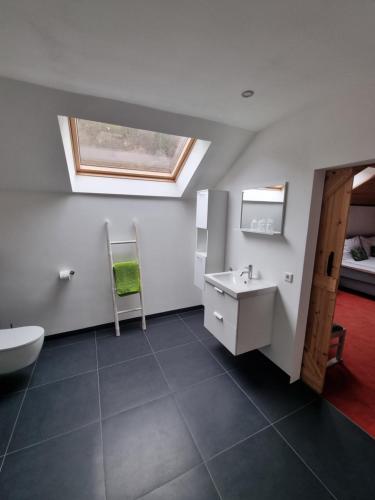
239, 286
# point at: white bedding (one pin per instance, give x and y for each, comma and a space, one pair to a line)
367, 266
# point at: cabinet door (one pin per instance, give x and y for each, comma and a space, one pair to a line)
221, 302
202, 209
220, 328
199, 270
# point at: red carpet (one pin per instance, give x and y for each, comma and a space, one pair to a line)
350, 385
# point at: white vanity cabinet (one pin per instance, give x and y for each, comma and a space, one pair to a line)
210, 226
240, 321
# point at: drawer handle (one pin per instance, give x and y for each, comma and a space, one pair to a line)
218, 289
218, 316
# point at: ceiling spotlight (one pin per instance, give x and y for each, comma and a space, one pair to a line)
247, 93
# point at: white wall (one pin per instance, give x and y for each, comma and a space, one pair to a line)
333, 133
361, 220
43, 227
42, 233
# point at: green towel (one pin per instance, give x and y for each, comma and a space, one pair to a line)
126, 277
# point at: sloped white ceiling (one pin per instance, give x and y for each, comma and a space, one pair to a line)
31, 149
193, 57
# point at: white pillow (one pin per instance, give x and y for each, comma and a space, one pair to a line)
367, 243
349, 244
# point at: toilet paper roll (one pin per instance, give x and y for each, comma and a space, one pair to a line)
66, 274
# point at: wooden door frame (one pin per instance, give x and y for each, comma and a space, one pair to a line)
312, 249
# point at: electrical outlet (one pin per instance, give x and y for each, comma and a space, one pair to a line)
288, 277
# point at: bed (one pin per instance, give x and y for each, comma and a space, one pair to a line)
358, 276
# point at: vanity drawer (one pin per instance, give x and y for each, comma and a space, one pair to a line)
218, 325
221, 302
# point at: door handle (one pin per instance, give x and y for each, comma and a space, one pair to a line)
330, 263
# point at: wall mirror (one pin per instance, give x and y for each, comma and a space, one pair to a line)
263, 209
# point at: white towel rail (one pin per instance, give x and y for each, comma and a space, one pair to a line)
113, 284
125, 242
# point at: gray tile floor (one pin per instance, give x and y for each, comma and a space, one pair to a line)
171, 415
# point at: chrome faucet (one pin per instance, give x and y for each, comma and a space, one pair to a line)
249, 271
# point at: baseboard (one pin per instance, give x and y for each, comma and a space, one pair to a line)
125, 321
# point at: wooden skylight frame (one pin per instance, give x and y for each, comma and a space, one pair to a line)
105, 168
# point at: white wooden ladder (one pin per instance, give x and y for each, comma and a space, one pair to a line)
110, 256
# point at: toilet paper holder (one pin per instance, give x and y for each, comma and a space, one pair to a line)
66, 274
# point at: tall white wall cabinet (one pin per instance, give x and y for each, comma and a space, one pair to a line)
211, 221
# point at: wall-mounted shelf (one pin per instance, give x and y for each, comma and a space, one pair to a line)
267, 233
201, 254
258, 202
201, 240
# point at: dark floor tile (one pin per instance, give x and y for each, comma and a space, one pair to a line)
269, 387
105, 331
9, 407
130, 384
56, 408
193, 485
61, 339
188, 364
157, 320
125, 325
219, 414
195, 322
130, 324
190, 312
339, 452
146, 447
264, 467
168, 334
56, 364
109, 330
129, 345
137, 322
16, 381
68, 467
223, 356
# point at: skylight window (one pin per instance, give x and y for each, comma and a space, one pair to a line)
117, 151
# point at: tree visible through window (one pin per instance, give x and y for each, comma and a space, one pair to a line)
106, 149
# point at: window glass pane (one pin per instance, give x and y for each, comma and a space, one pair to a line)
128, 148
